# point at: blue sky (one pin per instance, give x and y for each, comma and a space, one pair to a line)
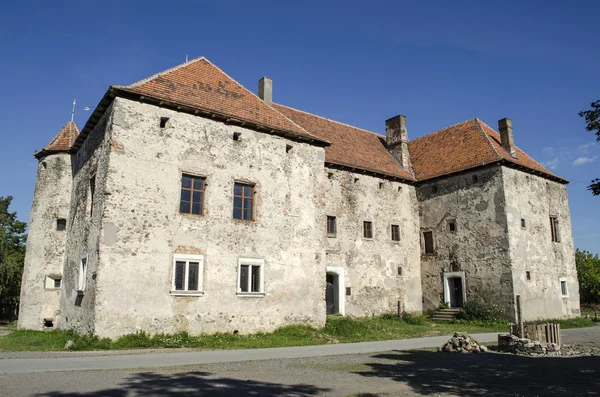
438, 63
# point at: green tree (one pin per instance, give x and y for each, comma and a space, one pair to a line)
588, 272
12, 254
592, 119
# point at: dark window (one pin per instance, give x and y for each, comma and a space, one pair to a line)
528, 275
288, 148
187, 274
57, 282
428, 241
554, 229
92, 191
399, 270
348, 291
381, 185
331, 226
179, 276
163, 122
452, 227
243, 196
395, 233
523, 223
563, 287
250, 278
61, 224
192, 195
236, 136
367, 229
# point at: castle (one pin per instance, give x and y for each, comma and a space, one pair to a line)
188, 203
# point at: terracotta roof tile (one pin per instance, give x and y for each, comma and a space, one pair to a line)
350, 146
63, 141
201, 85
463, 146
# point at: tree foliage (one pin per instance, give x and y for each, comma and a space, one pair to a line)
592, 119
588, 272
12, 254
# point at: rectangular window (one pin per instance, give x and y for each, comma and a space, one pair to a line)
395, 232
192, 195
92, 191
523, 224
243, 197
554, 229
528, 275
331, 226
563, 287
368, 229
187, 274
61, 224
250, 277
452, 226
53, 282
428, 242
82, 274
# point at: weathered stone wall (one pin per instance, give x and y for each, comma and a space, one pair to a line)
85, 219
143, 227
45, 244
479, 245
532, 250
371, 265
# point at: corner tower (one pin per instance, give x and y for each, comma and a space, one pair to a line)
42, 274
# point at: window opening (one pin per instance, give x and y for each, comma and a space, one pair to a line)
554, 229
523, 223
452, 226
192, 195
92, 192
331, 226
243, 196
563, 287
395, 232
368, 229
428, 240
61, 224
528, 275
187, 273
250, 276
163, 122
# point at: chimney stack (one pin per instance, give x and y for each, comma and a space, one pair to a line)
397, 140
506, 135
265, 90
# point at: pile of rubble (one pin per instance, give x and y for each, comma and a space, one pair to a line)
527, 347
461, 342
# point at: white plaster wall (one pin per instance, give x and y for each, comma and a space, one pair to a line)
531, 248
371, 264
45, 244
479, 247
143, 228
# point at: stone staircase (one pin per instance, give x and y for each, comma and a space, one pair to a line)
445, 314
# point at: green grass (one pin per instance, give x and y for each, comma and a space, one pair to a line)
577, 322
337, 329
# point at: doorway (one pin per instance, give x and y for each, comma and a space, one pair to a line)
334, 291
332, 306
454, 289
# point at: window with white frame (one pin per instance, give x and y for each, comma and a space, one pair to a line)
187, 274
564, 292
251, 277
82, 274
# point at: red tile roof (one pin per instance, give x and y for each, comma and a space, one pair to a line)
350, 146
463, 146
62, 142
201, 85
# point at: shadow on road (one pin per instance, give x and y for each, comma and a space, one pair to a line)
490, 374
194, 384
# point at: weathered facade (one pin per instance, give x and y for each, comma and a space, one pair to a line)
193, 205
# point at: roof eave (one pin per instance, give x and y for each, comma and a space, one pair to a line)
370, 172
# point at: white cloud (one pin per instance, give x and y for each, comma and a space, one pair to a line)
585, 147
549, 151
551, 164
584, 160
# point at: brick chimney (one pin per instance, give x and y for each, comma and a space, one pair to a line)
397, 139
265, 90
506, 135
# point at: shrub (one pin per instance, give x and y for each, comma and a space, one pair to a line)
477, 310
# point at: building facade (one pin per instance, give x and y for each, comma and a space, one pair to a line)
188, 203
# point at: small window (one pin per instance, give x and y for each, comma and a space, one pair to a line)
92, 192
523, 223
53, 282
395, 232
288, 148
348, 291
236, 136
163, 122
554, 229
331, 226
528, 275
399, 271
368, 229
381, 185
250, 277
187, 274
428, 242
452, 226
82, 274
243, 197
57, 282
563, 288
192, 195
61, 224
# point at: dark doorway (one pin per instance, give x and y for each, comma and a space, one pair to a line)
456, 291
330, 295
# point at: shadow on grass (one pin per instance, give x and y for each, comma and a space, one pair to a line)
490, 374
194, 384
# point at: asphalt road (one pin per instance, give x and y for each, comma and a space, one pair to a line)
363, 369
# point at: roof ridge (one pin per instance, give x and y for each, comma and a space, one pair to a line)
487, 138
442, 129
174, 68
328, 119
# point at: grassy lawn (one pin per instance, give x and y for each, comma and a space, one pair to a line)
336, 330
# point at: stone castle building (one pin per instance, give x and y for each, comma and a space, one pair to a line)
188, 203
